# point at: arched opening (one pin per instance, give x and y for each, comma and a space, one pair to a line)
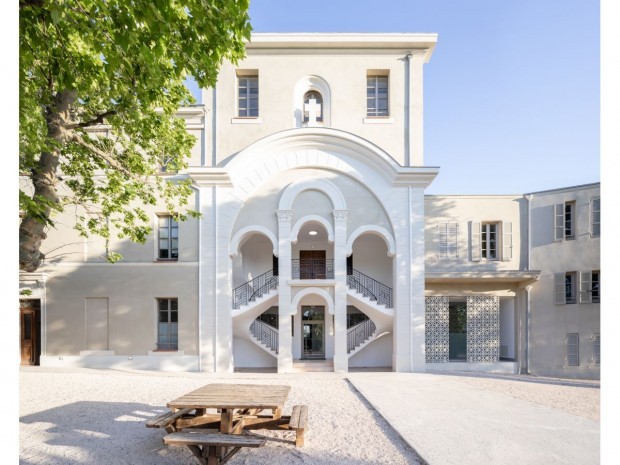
313, 252
313, 106
313, 325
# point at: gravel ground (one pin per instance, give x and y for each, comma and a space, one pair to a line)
98, 417
74, 417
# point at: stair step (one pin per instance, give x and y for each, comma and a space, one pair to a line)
305, 366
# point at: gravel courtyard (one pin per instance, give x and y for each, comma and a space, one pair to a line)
82, 416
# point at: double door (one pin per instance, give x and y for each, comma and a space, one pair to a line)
313, 332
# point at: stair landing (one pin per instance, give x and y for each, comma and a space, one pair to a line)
305, 366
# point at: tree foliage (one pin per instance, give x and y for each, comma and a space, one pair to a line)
119, 66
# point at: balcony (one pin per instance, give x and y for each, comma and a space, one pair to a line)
313, 268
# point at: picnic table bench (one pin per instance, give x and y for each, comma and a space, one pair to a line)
205, 446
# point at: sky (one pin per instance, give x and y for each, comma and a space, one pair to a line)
511, 94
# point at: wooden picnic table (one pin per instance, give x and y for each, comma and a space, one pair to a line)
212, 420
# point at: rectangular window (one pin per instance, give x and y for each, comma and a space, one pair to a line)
377, 96
569, 220
167, 324
489, 241
572, 349
570, 287
595, 212
167, 238
596, 286
247, 93
448, 240
596, 348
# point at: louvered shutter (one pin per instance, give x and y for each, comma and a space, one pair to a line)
585, 287
506, 241
559, 289
476, 241
453, 240
572, 349
596, 342
595, 208
442, 240
559, 221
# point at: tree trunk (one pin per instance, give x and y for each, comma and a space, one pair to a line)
44, 180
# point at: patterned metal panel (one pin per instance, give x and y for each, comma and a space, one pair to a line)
437, 317
482, 329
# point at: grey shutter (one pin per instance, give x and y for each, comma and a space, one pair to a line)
585, 287
476, 241
453, 240
596, 343
559, 288
442, 240
595, 208
559, 221
572, 349
506, 241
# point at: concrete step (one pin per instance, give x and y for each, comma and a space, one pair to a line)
306, 366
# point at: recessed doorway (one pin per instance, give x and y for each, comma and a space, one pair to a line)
313, 332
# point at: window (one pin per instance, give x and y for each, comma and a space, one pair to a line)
447, 234
572, 349
377, 96
168, 238
315, 108
491, 240
565, 288
565, 221
595, 219
596, 348
167, 324
247, 96
596, 286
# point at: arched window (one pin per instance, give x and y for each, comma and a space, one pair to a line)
317, 107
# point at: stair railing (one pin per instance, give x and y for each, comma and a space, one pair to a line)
254, 289
266, 335
370, 288
359, 334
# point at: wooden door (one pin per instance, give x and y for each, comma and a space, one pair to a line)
29, 319
312, 264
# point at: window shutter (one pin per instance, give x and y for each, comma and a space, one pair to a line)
559, 221
585, 287
596, 342
453, 240
507, 241
476, 244
572, 349
595, 208
560, 289
442, 240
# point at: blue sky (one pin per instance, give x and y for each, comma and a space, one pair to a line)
511, 94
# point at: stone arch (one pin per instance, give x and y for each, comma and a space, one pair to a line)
313, 291
376, 230
311, 83
317, 184
240, 236
315, 218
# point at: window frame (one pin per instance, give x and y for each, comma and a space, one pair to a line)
170, 219
376, 76
485, 232
171, 335
570, 294
596, 282
247, 78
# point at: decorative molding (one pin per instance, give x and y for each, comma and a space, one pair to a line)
436, 329
340, 215
377, 231
285, 215
238, 238
246, 120
315, 218
378, 120
315, 184
329, 301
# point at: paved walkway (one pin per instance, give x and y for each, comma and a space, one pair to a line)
450, 422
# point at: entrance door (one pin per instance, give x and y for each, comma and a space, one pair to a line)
312, 264
29, 322
313, 332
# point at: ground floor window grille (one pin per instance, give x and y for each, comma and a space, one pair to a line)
572, 349
168, 324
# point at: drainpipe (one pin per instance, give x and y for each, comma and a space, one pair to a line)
408, 110
528, 197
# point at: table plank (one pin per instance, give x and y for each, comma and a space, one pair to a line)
234, 396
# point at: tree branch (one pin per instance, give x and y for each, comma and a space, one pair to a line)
105, 156
97, 120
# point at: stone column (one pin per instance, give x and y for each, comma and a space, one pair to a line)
416, 108
341, 358
285, 355
417, 279
207, 272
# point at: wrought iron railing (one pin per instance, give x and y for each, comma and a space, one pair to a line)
313, 268
370, 288
252, 290
360, 333
266, 335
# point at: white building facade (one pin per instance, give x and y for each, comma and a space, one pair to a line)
317, 243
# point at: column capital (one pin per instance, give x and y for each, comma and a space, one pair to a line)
340, 214
285, 215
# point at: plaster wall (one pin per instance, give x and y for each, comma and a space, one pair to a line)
370, 257
249, 355
377, 354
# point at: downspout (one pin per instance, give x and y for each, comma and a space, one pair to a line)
408, 110
527, 288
